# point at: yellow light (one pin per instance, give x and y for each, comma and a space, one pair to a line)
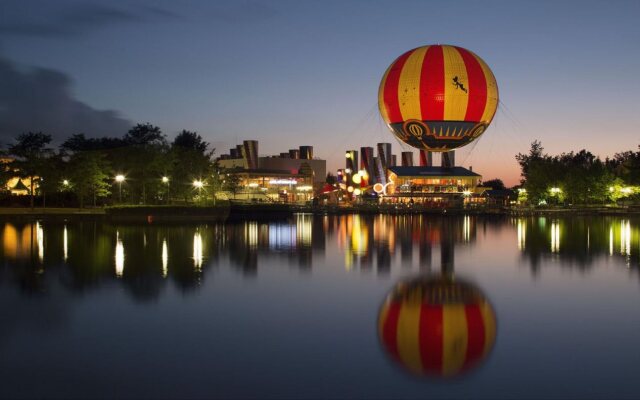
356, 179
348, 155
120, 178
304, 188
165, 179
198, 184
253, 185
347, 171
357, 192
65, 182
350, 189
467, 193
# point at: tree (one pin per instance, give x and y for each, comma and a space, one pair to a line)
90, 175
32, 157
231, 182
145, 159
496, 184
191, 159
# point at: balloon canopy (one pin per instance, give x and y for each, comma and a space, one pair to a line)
437, 326
438, 97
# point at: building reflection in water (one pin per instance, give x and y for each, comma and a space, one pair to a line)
90, 252
579, 241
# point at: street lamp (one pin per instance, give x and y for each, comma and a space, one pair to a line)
120, 179
165, 179
65, 183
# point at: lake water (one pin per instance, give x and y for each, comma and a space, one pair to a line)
318, 307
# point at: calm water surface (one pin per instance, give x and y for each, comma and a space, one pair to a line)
344, 306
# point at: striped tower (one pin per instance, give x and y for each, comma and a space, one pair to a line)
437, 326
438, 97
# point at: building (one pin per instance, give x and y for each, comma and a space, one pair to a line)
433, 186
291, 176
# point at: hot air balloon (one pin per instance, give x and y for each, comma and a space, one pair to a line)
438, 97
437, 326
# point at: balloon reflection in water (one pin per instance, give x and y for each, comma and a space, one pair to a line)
437, 326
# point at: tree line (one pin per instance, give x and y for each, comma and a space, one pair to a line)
83, 170
578, 178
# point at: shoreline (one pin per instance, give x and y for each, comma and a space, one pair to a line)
225, 212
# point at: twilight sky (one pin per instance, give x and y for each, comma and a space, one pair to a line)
289, 73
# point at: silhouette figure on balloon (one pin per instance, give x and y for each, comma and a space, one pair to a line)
459, 84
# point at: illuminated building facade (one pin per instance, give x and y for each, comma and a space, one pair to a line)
290, 177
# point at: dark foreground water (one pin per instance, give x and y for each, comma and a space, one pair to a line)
349, 306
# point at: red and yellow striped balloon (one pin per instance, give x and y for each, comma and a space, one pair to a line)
437, 326
438, 97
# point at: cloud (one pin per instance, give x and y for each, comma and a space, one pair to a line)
75, 20
40, 99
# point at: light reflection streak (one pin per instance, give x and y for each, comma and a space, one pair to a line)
65, 244
611, 240
40, 240
197, 251
119, 256
165, 258
625, 238
522, 234
466, 228
555, 237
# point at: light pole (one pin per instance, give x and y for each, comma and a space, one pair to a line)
165, 179
120, 179
198, 184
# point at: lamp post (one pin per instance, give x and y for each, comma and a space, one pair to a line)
165, 179
120, 179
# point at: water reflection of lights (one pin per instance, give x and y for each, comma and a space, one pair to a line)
359, 236
625, 238
165, 258
555, 237
65, 243
119, 256
522, 233
611, 240
251, 234
40, 240
197, 250
281, 236
466, 228
303, 229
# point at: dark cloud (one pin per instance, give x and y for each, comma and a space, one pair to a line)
40, 99
75, 20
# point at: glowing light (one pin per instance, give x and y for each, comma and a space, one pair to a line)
356, 179
378, 188
347, 170
65, 182
165, 258
165, 179
119, 256
466, 228
466, 193
348, 155
251, 234
350, 189
198, 184
283, 182
555, 190
120, 178
357, 192
522, 190
253, 185
197, 251
304, 188
611, 240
